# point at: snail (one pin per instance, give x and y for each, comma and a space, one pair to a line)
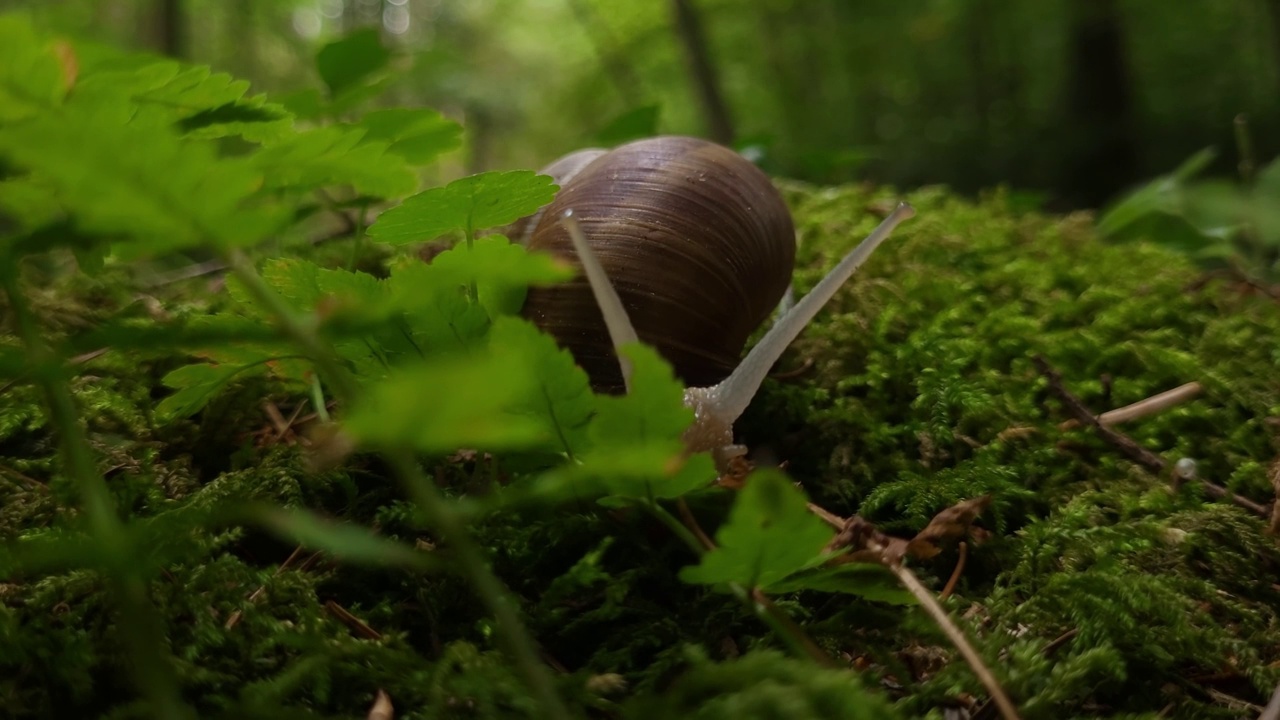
687, 246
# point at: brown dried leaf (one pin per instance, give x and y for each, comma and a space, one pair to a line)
952, 522
381, 708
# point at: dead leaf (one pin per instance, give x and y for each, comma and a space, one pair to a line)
381, 708
952, 522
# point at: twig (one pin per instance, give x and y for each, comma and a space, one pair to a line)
77, 360
955, 574
235, 617
1153, 463
1144, 457
1272, 710
691, 522
22, 479
1143, 408
954, 634
357, 626
1061, 640
805, 366
827, 516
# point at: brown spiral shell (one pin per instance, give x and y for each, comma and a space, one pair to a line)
697, 241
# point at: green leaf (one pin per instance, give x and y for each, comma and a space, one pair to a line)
443, 405
641, 122
417, 135
353, 309
637, 449
866, 580
769, 535
255, 122
469, 204
305, 284
33, 77
562, 399
1162, 195
500, 270
440, 318
652, 413
29, 202
346, 63
343, 541
194, 99
329, 156
197, 384
306, 104
144, 184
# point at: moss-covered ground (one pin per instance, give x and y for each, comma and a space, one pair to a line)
1099, 591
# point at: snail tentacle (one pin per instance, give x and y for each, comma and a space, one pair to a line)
616, 319
730, 398
716, 408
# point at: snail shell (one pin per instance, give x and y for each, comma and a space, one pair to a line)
695, 239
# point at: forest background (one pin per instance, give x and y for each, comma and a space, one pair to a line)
1067, 101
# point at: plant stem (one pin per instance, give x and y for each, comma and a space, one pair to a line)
686, 536
473, 290
516, 639
1244, 148
358, 240
773, 616
144, 638
317, 399
957, 638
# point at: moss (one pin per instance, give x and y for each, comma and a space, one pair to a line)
1102, 592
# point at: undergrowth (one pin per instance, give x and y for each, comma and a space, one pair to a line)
323, 468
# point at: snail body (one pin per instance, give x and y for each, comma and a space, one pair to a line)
695, 239
687, 246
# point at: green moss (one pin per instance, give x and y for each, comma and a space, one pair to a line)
920, 370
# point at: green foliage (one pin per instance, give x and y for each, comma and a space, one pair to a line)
764, 685
151, 494
466, 205
1212, 221
769, 535
347, 63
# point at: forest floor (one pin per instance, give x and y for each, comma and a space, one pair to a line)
1097, 581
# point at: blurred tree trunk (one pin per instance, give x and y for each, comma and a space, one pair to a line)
1099, 105
689, 29
1273, 12
979, 40
244, 32
171, 30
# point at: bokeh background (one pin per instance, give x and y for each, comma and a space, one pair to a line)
1066, 102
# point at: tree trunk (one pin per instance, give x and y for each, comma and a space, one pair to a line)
1273, 14
1099, 106
707, 84
171, 30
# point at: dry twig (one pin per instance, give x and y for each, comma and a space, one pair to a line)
253, 596
1153, 463
957, 638
355, 624
1143, 408
955, 574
